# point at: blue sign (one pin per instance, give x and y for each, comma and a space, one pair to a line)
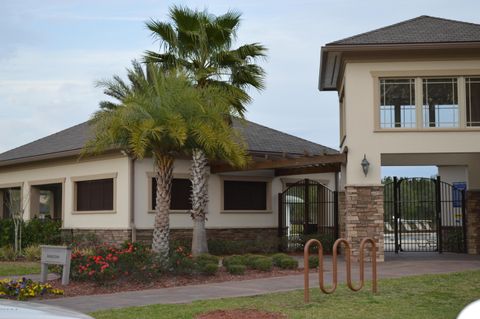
457, 189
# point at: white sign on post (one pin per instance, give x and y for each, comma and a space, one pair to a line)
55, 255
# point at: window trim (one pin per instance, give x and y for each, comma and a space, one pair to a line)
75, 179
20, 185
60, 180
419, 75
268, 199
150, 209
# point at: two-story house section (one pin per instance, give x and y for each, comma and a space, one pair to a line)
409, 94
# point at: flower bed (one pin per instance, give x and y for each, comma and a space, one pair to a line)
26, 288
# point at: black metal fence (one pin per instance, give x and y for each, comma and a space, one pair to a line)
307, 209
424, 214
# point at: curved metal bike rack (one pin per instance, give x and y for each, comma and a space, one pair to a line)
338, 242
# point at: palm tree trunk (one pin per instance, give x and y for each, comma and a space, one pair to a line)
199, 178
161, 228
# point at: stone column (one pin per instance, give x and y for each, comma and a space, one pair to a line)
341, 214
364, 217
473, 222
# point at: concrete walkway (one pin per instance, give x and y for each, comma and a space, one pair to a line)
396, 266
34, 277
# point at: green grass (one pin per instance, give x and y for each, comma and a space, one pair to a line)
429, 296
13, 268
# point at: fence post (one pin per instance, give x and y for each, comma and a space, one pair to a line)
395, 212
438, 209
306, 212
464, 221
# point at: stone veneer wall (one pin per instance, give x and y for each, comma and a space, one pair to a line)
110, 236
341, 214
118, 236
473, 221
237, 234
364, 217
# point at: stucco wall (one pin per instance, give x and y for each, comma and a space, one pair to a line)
360, 127
68, 169
216, 218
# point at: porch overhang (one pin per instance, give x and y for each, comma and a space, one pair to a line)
287, 164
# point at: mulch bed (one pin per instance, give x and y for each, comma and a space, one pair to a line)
76, 288
241, 314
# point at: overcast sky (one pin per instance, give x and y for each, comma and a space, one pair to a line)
53, 51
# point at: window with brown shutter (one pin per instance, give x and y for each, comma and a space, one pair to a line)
95, 195
180, 197
244, 195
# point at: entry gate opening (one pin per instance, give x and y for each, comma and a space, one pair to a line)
424, 215
307, 209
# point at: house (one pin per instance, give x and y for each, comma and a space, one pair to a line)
113, 196
409, 94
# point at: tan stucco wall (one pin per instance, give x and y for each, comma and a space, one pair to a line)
72, 169
360, 127
216, 218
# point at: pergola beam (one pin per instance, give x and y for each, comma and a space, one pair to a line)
283, 163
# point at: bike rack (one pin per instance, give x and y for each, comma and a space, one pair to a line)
338, 242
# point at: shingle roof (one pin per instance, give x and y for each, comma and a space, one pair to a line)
423, 29
259, 139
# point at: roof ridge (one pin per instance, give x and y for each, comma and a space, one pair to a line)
291, 135
339, 42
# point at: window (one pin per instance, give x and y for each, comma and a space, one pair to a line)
473, 101
180, 196
440, 103
94, 195
397, 103
244, 195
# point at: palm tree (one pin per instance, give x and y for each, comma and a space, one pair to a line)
163, 115
201, 44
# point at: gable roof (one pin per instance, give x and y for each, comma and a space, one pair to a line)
418, 37
423, 29
260, 139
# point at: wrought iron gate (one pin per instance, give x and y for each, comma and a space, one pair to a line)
424, 214
307, 209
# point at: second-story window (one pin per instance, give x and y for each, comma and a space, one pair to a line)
473, 101
397, 103
440, 102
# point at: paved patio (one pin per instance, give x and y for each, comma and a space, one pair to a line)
405, 264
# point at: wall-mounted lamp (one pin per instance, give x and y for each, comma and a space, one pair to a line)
365, 164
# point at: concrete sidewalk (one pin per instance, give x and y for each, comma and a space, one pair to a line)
395, 266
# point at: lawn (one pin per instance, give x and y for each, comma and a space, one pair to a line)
430, 296
12, 268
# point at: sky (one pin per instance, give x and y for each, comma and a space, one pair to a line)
52, 53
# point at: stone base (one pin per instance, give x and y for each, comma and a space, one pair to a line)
109, 236
118, 236
364, 217
231, 234
473, 222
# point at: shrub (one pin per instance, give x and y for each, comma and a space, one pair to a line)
251, 259
207, 269
181, 261
25, 288
34, 232
32, 253
111, 262
206, 264
313, 261
236, 269
262, 264
288, 263
277, 258
235, 260
7, 253
81, 241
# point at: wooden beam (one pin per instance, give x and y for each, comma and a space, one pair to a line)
331, 168
283, 163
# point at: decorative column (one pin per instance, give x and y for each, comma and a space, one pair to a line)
473, 222
364, 217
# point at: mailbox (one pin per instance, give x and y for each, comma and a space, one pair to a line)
55, 255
